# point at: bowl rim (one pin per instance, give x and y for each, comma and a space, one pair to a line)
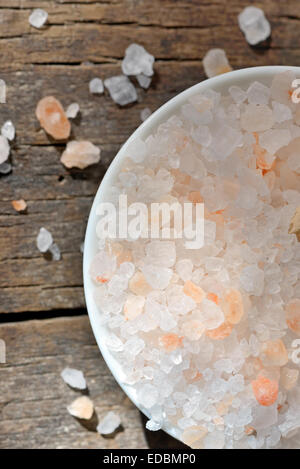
145, 129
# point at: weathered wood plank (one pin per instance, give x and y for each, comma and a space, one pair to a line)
33, 397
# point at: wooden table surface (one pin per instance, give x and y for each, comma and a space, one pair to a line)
42, 311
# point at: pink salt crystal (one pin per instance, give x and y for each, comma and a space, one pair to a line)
138, 284
81, 408
133, 307
80, 155
234, 309
19, 205
289, 378
257, 118
193, 436
292, 312
215, 62
170, 342
192, 329
275, 353
195, 292
53, 118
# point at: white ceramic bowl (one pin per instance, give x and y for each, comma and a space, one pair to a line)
220, 83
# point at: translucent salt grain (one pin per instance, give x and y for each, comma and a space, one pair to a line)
147, 395
38, 18
161, 253
137, 60
258, 93
55, 251
121, 90
80, 155
145, 113
257, 118
254, 25
52, 118
215, 62
8, 130
19, 205
157, 277
2, 92
4, 149
109, 424
44, 240
144, 81
72, 111
252, 280
184, 268
237, 94
81, 408
274, 139
74, 378
281, 112
153, 426
96, 86
281, 87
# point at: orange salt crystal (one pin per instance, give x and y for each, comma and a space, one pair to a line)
138, 284
80, 155
212, 297
292, 312
195, 197
265, 391
275, 353
264, 160
52, 118
233, 307
100, 279
192, 290
250, 430
19, 205
221, 332
170, 342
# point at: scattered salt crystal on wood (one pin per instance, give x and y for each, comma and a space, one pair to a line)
121, 90
8, 130
72, 111
254, 25
96, 86
2, 91
81, 408
137, 61
44, 240
52, 118
145, 113
38, 18
74, 378
55, 251
215, 62
19, 205
80, 155
109, 424
4, 149
144, 81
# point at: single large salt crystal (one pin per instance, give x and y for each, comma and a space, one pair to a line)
257, 118
74, 378
215, 62
292, 311
44, 240
109, 424
294, 227
8, 130
80, 155
145, 113
81, 408
137, 60
211, 315
138, 284
19, 205
157, 277
258, 93
4, 149
274, 139
281, 112
72, 111
121, 90
38, 18
275, 353
161, 253
147, 395
254, 25
170, 342
96, 86
53, 118
265, 391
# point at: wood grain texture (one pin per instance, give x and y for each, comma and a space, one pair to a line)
84, 39
33, 397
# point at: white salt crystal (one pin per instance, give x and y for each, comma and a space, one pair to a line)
74, 378
81, 408
44, 240
147, 395
137, 60
144, 81
161, 253
109, 424
157, 277
247, 197
72, 111
264, 417
254, 25
8, 130
237, 94
153, 426
281, 87
202, 135
55, 251
252, 280
281, 112
211, 315
96, 86
121, 90
2, 92
184, 268
145, 113
215, 62
38, 18
257, 118
272, 140
258, 93
4, 149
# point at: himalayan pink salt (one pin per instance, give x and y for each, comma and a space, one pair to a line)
138, 284
292, 311
81, 408
265, 391
294, 227
257, 118
192, 329
19, 205
195, 292
234, 309
133, 307
170, 342
193, 436
53, 118
80, 155
275, 353
215, 62
221, 332
289, 378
